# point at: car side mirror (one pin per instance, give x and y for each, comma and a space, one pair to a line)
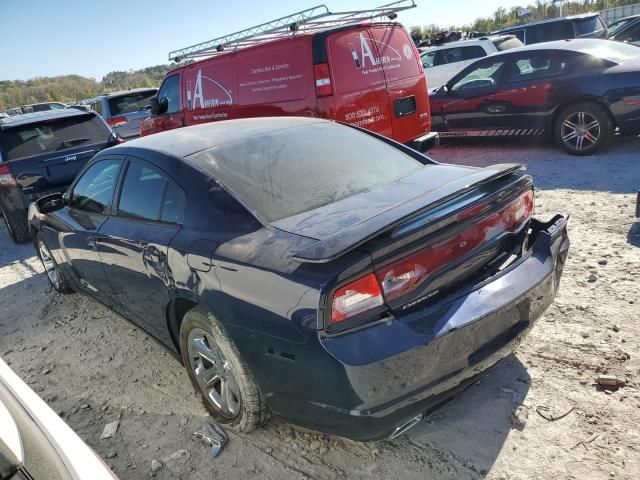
158, 107
51, 203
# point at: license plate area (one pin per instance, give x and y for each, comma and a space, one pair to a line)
404, 106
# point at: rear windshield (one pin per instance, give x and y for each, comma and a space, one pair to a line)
52, 135
507, 43
615, 51
294, 170
131, 102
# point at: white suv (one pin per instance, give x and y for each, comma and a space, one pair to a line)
443, 62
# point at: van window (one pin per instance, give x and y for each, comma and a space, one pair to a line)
589, 26
459, 54
170, 90
548, 32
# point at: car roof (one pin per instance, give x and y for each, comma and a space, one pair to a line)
182, 142
468, 41
551, 20
27, 118
125, 92
575, 44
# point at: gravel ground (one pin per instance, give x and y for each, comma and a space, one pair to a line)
93, 367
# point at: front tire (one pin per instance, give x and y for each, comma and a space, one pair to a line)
54, 273
17, 224
219, 373
583, 129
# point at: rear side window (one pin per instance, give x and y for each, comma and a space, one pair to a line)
507, 44
289, 171
147, 194
459, 54
53, 135
170, 90
130, 103
94, 190
589, 26
534, 67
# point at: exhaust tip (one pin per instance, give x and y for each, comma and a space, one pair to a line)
403, 428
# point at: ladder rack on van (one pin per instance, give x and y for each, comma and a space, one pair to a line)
312, 19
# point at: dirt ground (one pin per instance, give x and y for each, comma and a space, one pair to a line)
94, 367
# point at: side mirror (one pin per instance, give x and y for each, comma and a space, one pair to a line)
50, 203
158, 107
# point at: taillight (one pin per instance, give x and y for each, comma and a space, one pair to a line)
407, 274
5, 175
117, 121
355, 298
323, 80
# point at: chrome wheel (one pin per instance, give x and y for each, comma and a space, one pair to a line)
580, 131
213, 373
49, 265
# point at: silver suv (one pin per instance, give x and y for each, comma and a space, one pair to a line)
125, 110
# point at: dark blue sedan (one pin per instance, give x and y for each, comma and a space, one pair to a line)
577, 92
308, 269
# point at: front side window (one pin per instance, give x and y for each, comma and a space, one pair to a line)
147, 194
534, 67
169, 90
631, 35
484, 75
94, 190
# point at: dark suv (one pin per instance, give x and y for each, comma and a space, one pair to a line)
41, 153
588, 25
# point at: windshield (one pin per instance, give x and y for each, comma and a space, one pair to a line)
131, 102
615, 51
289, 171
52, 135
617, 26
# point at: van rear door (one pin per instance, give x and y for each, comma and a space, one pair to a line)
405, 81
360, 94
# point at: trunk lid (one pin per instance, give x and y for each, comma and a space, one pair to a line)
396, 210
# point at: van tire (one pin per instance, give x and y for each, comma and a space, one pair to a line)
17, 224
252, 410
581, 115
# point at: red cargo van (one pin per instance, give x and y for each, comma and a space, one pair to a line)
365, 74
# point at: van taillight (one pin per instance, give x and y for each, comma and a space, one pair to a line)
5, 175
355, 298
407, 274
323, 80
4, 169
117, 121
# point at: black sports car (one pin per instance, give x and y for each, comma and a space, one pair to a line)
307, 268
578, 92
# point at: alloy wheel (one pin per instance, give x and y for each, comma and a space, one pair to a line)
213, 373
49, 265
580, 131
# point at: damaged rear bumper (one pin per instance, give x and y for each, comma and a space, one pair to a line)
403, 368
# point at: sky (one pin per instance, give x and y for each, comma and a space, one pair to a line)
93, 37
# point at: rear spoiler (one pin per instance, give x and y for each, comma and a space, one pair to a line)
334, 246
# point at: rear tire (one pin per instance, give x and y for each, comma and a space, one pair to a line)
583, 129
17, 224
56, 276
219, 373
